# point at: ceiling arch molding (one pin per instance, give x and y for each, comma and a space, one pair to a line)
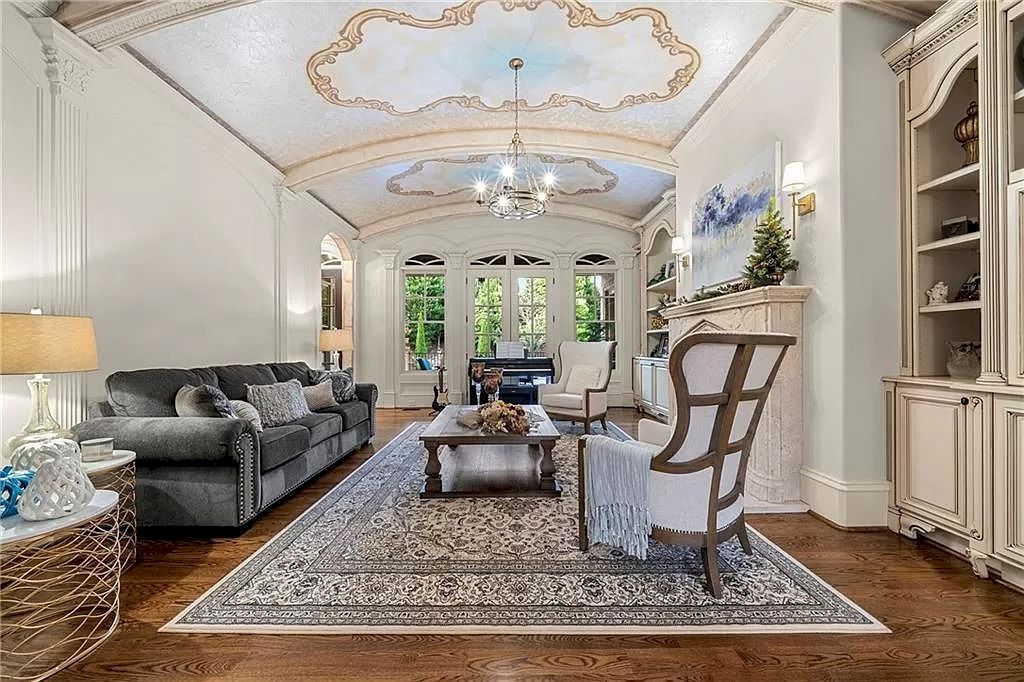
572, 211
308, 174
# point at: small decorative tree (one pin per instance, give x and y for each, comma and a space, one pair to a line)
771, 259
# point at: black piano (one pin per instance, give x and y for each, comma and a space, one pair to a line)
519, 379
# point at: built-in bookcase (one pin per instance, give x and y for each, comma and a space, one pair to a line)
659, 256
944, 188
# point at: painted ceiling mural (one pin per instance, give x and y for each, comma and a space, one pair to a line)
432, 185
447, 177
615, 61
299, 81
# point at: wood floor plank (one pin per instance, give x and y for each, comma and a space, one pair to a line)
947, 625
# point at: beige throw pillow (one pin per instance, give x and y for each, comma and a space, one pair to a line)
246, 411
582, 377
277, 404
319, 395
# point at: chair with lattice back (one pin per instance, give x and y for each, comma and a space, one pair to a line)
721, 382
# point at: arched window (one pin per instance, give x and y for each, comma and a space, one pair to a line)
337, 269
424, 259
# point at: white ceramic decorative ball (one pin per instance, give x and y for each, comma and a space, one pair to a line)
29, 456
60, 487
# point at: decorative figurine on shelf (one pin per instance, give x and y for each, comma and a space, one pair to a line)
12, 485
966, 133
970, 290
938, 294
492, 383
658, 322
964, 361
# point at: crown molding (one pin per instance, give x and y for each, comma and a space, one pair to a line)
109, 23
893, 10
952, 19
69, 61
34, 9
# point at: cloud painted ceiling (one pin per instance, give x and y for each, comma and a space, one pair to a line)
301, 80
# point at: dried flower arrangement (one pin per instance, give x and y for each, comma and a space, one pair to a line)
498, 417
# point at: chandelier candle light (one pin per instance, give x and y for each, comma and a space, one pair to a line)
518, 192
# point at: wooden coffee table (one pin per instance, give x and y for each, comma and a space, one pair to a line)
477, 464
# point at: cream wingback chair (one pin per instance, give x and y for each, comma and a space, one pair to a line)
721, 382
581, 391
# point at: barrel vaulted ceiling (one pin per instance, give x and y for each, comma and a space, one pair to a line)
382, 109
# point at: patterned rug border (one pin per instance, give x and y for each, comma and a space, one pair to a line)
175, 625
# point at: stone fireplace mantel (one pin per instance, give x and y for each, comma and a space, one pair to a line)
773, 472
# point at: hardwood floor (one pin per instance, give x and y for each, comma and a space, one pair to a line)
946, 624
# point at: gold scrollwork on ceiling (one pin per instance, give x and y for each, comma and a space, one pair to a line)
394, 183
578, 15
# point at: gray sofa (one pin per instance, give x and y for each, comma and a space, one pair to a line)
199, 471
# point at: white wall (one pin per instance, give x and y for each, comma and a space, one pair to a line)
821, 87
195, 256
379, 334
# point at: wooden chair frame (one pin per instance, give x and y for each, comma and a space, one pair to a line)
588, 417
728, 402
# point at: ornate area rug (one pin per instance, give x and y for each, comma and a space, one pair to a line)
371, 557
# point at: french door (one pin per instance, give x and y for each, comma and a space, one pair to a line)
509, 305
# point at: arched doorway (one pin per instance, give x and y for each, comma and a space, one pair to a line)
337, 273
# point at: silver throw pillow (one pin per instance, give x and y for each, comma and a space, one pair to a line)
246, 411
202, 401
319, 395
343, 382
277, 404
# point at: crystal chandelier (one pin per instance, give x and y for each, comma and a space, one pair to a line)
517, 192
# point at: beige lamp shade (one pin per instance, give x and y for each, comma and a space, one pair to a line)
335, 339
46, 344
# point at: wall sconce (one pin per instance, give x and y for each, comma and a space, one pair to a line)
680, 252
793, 181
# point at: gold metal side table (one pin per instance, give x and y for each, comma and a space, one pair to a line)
60, 583
118, 474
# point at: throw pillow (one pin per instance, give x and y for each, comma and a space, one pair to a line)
319, 396
582, 377
202, 401
246, 411
277, 404
343, 382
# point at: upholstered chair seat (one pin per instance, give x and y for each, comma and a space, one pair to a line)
698, 463
581, 391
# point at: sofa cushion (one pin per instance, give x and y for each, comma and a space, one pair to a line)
246, 411
352, 413
319, 396
281, 444
278, 404
151, 392
321, 426
232, 379
342, 380
565, 401
291, 370
202, 401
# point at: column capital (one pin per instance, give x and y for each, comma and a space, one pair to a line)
69, 60
627, 260
456, 260
564, 260
389, 256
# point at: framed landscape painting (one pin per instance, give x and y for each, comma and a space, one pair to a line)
725, 216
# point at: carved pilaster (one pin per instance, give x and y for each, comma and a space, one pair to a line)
285, 197
389, 257
69, 62
992, 182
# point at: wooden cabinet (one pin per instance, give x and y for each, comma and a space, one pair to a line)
651, 386
1008, 493
1015, 278
940, 444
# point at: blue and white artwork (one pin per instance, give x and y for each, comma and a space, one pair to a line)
724, 219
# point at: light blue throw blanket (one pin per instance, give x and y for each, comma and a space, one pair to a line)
618, 481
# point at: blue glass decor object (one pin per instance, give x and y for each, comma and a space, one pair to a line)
12, 485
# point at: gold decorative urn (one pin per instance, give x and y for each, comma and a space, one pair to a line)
966, 133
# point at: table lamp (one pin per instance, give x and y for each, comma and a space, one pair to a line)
38, 344
334, 340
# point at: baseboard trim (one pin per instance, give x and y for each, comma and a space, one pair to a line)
848, 529
848, 505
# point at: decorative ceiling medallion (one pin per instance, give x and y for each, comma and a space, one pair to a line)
578, 15
576, 175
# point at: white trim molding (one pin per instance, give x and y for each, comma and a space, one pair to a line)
850, 504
